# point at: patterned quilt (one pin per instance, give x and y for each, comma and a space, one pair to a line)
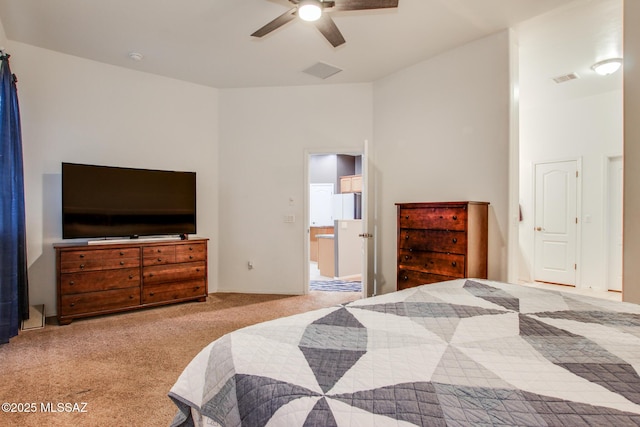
458, 353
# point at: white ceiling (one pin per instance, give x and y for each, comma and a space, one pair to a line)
208, 41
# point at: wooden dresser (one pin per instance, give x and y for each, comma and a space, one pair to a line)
441, 241
113, 277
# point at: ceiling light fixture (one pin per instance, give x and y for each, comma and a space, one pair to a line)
136, 56
309, 10
608, 66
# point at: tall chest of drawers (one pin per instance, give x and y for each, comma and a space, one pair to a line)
441, 241
108, 278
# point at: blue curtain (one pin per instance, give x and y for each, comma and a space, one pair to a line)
14, 298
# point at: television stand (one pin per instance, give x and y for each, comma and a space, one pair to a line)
95, 279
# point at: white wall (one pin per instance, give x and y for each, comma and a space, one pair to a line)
579, 119
3, 36
631, 286
76, 110
589, 129
441, 133
264, 133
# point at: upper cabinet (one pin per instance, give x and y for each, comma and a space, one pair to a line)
351, 184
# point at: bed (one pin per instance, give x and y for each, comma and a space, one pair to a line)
457, 353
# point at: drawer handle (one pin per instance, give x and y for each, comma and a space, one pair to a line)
454, 240
130, 296
441, 217
121, 262
197, 287
159, 251
190, 256
197, 269
455, 217
73, 304
151, 294
405, 278
121, 253
406, 237
406, 217
190, 248
71, 283
81, 255
454, 263
131, 276
150, 274
407, 257
159, 259
81, 266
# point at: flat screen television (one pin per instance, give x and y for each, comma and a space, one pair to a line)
107, 201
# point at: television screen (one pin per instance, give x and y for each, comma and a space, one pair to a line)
106, 201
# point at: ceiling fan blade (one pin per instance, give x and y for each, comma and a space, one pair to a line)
276, 23
330, 30
364, 4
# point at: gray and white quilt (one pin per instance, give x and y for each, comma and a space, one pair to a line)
457, 353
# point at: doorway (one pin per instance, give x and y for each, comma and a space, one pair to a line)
335, 226
556, 222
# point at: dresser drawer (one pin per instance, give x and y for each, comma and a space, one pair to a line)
188, 253
73, 283
433, 241
437, 218
80, 256
86, 265
193, 252
434, 262
94, 255
174, 272
159, 255
174, 291
96, 302
412, 278
99, 259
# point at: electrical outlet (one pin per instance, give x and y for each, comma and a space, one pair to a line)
289, 218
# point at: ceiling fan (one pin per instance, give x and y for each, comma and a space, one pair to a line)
314, 10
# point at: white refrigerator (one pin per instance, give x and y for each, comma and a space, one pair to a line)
347, 206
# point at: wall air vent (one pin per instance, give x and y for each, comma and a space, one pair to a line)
322, 70
566, 78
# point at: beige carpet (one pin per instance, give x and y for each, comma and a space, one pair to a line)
118, 369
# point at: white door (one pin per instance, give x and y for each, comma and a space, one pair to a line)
320, 204
368, 258
614, 224
555, 222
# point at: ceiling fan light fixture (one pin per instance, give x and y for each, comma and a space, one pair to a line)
309, 10
608, 66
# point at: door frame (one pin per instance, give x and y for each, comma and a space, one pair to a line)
578, 160
308, 152
606, 215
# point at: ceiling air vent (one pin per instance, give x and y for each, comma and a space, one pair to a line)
322, 70
566, 78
